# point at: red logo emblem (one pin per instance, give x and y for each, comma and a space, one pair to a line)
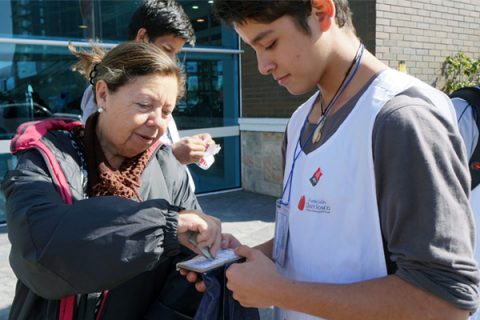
316, 177
301, 203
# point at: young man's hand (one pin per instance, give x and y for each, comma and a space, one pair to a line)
253, 282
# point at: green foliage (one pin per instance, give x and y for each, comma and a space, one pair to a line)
461, 71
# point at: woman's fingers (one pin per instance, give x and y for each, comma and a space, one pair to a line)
207, 228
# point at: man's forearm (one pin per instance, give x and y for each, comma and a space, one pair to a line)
385, 298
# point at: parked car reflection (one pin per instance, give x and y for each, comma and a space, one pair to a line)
14, 114
11, 116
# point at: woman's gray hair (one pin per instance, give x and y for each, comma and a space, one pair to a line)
125, 62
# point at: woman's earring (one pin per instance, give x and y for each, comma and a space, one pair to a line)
100, 109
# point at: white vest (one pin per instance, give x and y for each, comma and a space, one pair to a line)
334, 226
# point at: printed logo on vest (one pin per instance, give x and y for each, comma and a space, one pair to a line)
317, 206
301, 203
316, 177
313, 205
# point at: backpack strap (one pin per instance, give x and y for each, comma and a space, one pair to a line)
472, 96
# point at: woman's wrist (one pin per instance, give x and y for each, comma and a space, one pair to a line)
171, 244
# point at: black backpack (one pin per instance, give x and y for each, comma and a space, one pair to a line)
472, 96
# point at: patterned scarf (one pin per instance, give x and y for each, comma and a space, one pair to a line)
103, 180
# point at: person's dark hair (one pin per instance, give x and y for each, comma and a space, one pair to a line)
266, 11
125, 62
160, 18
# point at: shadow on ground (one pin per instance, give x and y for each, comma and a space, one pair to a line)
4, 313
238, 206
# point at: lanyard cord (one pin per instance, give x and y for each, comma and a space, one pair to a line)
346, 81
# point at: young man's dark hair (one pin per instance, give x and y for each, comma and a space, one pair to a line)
234, 11
159, 18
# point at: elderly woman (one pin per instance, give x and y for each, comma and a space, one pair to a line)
96, 214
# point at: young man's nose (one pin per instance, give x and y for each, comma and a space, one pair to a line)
265, 65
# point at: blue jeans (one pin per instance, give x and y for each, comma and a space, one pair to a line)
217, 302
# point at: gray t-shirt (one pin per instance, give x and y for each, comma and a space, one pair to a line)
422, 192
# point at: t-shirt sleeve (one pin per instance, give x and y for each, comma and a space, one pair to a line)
466, 124
422, 189
88, 104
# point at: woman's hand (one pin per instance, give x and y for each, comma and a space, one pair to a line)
208, 231
228, 241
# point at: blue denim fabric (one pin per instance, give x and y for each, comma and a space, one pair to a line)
218, 303
178, 299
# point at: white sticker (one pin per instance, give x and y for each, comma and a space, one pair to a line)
208, 158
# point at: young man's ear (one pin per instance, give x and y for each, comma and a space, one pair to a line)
324, 10
101, 92
142, 36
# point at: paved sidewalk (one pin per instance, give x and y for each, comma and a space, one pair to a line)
248, 216
7, 278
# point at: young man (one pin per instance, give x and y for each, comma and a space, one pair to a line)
374, 221
165, 24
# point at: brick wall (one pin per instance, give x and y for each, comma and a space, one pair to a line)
424, 32
363, 15
262, 96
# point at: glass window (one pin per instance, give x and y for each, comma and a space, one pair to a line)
209, 92
224, 172
208, 29
106, 20
37, 82
70, 20
7, 162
